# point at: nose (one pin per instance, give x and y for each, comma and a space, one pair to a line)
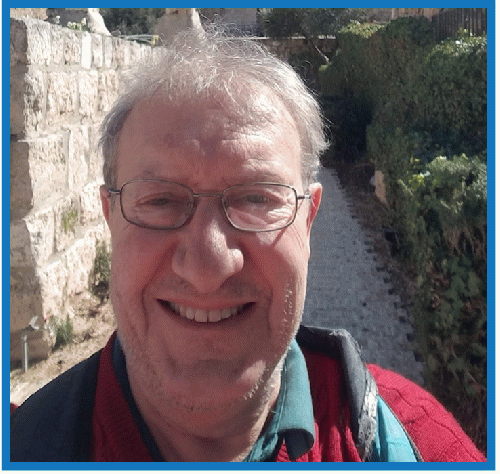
207, 253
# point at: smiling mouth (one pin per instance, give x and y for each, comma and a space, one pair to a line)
204, 315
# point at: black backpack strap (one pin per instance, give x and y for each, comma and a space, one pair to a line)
360, 385
55, 423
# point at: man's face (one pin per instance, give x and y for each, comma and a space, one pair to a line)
162, 278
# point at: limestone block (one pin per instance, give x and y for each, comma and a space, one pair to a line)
53, 283
95, 157
39, 346
97, 50
18, 42
86, 59
62, 96
40, 226
122, 52
27, 100
57, 45
67, 218
38, 168
87, 86
79, 260
108, 84
20, 245
90, 203
38, 13
78, 151
72, 47
21, 190
25, 297
31, 41
107, 45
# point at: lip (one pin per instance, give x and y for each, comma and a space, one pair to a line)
205, 316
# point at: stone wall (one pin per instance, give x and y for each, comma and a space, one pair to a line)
63, 82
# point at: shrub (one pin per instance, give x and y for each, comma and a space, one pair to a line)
100, 275
348, 74
396, 53
443, 224
64, 333
451, 93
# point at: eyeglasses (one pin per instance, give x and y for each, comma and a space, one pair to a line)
162, 205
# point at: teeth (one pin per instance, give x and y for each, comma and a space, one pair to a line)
204, 315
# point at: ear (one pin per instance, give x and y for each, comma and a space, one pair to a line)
315, 190
105, 202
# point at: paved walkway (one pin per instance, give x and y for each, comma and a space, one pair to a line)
345, 290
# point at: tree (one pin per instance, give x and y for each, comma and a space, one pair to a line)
309, 23
131, 21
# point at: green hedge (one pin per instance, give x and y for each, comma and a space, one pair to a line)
451, 94
443, 226
348, 74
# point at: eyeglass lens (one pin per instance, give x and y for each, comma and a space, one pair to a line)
164, 205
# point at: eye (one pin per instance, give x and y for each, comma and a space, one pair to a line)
256, 199
161, 200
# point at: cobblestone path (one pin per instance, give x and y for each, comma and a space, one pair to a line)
346, 290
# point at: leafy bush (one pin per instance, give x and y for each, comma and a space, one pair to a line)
348, 74
443, 225
64, 333
396, 53
101, 271
131, 21
451, 93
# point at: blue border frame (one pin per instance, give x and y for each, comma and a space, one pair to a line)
7, 465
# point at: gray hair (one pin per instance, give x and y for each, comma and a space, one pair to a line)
213, 64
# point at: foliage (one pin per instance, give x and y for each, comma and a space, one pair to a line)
308, 22
131, 21
451, 93
69, 220
82, 26
348, 73
101, 271
64, 333
395, 55
443, 224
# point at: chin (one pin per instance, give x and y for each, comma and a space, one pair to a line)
207, 386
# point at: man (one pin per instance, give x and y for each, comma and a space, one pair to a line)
210, 195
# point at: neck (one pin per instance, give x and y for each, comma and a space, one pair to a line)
209, 435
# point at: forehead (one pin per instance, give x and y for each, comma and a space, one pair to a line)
210, 128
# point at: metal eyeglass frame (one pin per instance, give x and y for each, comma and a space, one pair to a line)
196, 196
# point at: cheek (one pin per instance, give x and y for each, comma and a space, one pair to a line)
284, 264
136, 256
